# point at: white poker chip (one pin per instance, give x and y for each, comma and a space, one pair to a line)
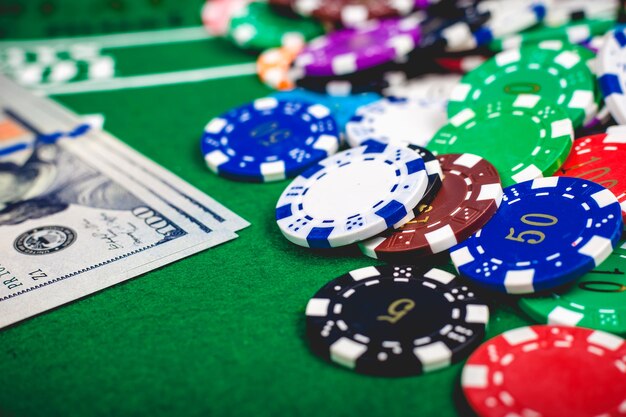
611, 71
352, 196
511, 16
398, 121
561, 12
431, 87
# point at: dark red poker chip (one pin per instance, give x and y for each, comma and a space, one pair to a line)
600, 158
352, 12
469, 196
461, 65
547, 371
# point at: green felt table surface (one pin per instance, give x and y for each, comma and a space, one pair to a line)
220, 333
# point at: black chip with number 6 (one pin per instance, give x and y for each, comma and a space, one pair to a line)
395, 320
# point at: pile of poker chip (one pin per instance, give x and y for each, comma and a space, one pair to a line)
475, 147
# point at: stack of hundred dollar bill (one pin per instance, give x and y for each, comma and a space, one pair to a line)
81, 211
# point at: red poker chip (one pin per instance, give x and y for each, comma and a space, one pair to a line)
600, 158
548, 371
352, 12
461, 65
470, 194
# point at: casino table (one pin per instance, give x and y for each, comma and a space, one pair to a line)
221, 333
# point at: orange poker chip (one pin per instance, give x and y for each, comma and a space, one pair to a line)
273, 66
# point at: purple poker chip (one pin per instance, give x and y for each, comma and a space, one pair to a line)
423, 4
351, 50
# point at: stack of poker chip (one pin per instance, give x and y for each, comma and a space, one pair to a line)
474, 148
355, 60
378, 54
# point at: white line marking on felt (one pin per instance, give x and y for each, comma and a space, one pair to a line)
121, 40
152, 80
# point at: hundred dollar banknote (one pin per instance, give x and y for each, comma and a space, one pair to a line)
80, 211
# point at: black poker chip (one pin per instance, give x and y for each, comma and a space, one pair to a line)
374, 79
452, 34
435, 176
370, 80
395, 320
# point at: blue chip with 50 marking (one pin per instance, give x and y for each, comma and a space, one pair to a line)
546, 233
352, 196
269, 139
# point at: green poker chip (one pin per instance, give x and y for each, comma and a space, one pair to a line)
258, 27
525, 138
556, 71
573, 33
597, 300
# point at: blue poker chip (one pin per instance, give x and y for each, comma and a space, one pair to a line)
269, 139
352, 196
342, 107
546, 233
